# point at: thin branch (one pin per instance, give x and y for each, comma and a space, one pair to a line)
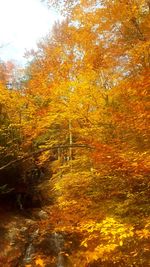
30, 155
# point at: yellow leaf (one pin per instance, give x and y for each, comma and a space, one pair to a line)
66, 254
39, 262
120, 243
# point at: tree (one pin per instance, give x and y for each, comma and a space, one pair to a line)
86, 96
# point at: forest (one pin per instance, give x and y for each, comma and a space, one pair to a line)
74, 140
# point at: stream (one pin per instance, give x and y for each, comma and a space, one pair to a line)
26, 242
56, 243
30, 248
59, 244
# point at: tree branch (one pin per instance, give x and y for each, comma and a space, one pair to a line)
30, 155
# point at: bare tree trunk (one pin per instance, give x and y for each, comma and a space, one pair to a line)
70, 144
70, 140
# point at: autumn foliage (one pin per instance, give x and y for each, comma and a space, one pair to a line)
88, 84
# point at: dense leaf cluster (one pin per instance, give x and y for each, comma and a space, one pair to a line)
88, 84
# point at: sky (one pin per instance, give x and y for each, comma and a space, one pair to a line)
22, 24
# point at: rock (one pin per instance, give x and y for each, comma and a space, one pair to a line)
42, 215
23, 229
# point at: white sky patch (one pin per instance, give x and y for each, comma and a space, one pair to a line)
22, 24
